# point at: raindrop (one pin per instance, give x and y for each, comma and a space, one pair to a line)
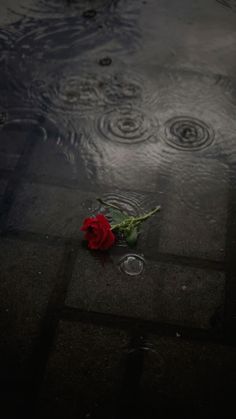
105, 61
89, 14
132, 264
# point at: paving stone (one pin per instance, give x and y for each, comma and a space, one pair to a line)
84, 372
28, 276
194, 213
198, 379
162, 292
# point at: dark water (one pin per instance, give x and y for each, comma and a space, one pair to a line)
134, 101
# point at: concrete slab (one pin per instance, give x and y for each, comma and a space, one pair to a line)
84, 373
163, 292
28, 276
198, 377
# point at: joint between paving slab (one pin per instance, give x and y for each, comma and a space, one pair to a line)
50, 322
144, 326
160, 257
230, 300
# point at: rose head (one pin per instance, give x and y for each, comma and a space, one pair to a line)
98, 232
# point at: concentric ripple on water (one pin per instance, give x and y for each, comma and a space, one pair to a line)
130, 203
126, 125
188, 133
125, 87
77, 89
69, 92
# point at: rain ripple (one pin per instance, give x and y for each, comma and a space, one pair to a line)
186, 133
127, 125
77, 90
130, 203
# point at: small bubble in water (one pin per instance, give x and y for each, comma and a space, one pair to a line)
132, 264
105, 61
89, 14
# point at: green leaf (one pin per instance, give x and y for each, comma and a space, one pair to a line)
117, 216
132, 236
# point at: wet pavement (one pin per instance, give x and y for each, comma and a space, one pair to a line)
132, 101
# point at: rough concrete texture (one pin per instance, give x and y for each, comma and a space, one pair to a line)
162, 292
179, 376
84, 373
28, 276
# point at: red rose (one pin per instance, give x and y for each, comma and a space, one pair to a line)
98, 232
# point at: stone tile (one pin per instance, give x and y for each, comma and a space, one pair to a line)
28, 276
194, 212
162, 292
84, 372
192, 379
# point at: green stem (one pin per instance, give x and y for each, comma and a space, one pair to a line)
136, 220
108, 205
148, 215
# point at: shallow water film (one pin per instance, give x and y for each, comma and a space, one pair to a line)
133, 102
